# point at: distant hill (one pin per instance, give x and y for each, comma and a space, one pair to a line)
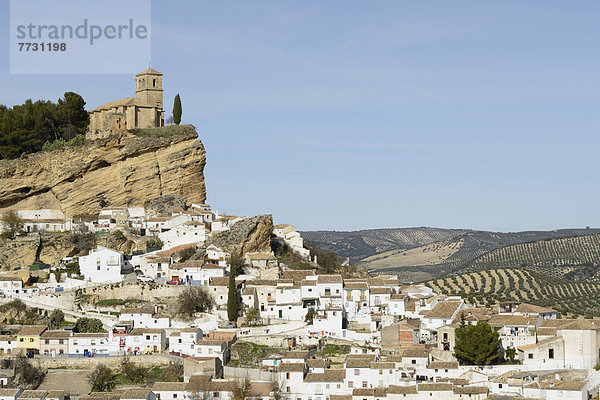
357, 245
418, 254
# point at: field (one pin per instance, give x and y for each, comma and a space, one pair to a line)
489, 287
431, 254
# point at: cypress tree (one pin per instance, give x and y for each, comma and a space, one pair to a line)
177, 110
232, 299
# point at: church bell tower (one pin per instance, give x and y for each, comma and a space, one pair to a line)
148, 87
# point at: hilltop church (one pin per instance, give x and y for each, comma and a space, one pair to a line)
145, 110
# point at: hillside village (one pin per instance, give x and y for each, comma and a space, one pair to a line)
229, 315
390, 340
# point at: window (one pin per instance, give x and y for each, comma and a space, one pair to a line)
20, 339
46, 341
530, 356
287, 389
357, 372
380, 372
350, 384
174, 395
365, 384
551, 353
413, 361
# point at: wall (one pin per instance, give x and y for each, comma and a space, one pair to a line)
250, 373
113, 362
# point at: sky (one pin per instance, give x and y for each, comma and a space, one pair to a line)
347, 115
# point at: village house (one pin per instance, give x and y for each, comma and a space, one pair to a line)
147, 340
146, 317
183, 341
102, 265
28, 338
55, 343
183, 233
8, 343
195, 272
92, 345
11, 286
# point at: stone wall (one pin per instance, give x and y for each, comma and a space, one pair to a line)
113, 362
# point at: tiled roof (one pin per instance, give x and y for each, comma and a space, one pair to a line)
434, 387
330, 375
291, 367
329, 279
394, 389
444, 310
32, 330
443, 365
169, 386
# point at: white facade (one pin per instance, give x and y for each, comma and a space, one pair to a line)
102, 265
11, 287
184, 233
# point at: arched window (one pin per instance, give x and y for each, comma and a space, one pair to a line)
153, 82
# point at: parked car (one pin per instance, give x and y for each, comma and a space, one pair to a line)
144, 278
173, 282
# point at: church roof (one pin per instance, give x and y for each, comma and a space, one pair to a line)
149, 71
129, 101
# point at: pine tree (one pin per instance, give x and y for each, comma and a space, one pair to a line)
177, 110
477, 344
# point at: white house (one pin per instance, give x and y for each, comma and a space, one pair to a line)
146, 317
8, 343
11, 286
184, 340
184, 233
102, 265
92, 345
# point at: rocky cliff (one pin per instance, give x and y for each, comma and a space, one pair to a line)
115, 171
246, 236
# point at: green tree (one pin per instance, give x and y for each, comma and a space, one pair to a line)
102, 379
71, 117
57, 317
310, 314
26, 128
12, 223
477, 344
89, 325
194, 299
177, 110
236, 267
232, 299
510, 353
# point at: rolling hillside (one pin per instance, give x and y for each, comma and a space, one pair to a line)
493, 286
574, 257
418, 254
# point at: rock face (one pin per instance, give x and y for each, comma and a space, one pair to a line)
111, 172
245, 236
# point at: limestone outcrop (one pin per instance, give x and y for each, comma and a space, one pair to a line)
246, 236
115, 171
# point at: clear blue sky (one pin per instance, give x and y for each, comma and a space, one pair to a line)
352, 114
